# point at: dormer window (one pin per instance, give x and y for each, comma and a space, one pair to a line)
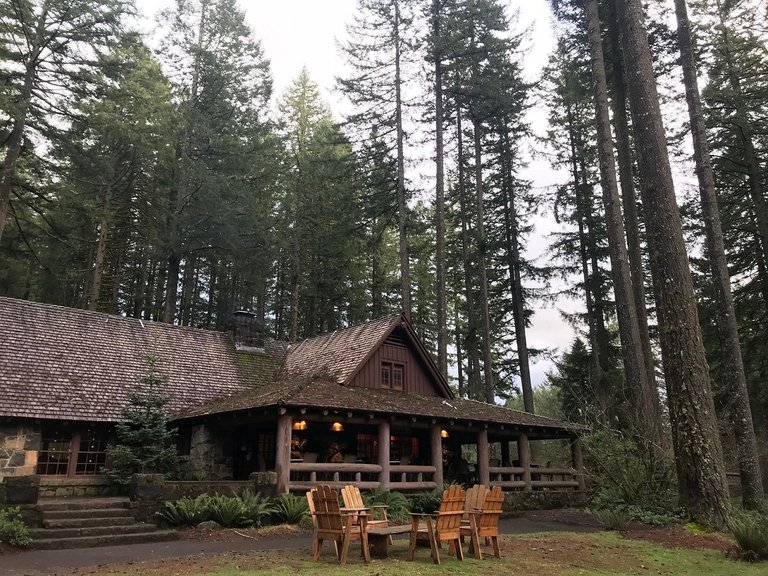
393, 375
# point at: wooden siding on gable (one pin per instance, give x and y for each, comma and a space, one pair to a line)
397, 349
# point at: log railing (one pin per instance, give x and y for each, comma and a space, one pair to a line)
405, 477
411, 477
533, 478
304, 476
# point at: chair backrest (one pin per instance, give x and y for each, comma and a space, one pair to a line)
489, 519
352, 497
326, 509
475, 498
448, 521
310, 457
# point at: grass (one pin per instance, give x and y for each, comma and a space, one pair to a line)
597, 554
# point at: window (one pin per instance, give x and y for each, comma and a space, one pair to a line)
397, 377
393, 375
386, 374
91, 454
53, 457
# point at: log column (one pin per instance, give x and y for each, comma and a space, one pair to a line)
505, 461
436, 444
577, 458
384, 453
524, 453
483, 475
283, 452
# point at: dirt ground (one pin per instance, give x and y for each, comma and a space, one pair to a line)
547, 543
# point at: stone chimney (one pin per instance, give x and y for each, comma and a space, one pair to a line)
248, 333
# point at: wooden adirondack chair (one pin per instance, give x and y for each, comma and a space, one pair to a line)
474, 500
329, 523
353, 500
485, 523
443, 526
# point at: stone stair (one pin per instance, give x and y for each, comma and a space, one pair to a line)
88, 522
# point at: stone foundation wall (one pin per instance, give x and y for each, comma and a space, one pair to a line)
19, 445
53, 487
210, 455
150, 492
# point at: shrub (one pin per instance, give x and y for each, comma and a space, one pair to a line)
396, 502
751, 533
613, 519
625, 476
426, 502
12, 528
186, 511
228, 511
289, 509
257, 508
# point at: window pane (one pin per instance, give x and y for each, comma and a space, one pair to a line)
386, 374
397, 377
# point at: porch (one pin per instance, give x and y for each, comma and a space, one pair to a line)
413, 454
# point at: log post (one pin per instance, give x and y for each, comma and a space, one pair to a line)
283, 452
483, 475
384, 453
505, 461
578, 462
524, 453
436, 444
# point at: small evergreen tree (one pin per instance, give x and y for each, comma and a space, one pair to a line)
145, 442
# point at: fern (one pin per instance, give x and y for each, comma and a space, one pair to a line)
289, 509
257, 507
186, 511
229, 511
751, 534
396, 502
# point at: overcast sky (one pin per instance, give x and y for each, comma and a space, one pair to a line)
304, 33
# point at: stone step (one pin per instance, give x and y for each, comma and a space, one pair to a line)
47, 533
106, 540
51, 504
97, 513
88, 522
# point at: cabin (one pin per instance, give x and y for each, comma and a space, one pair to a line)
364, 405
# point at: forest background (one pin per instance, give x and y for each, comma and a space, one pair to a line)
162, 176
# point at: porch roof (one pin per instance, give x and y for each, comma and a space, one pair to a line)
323, 393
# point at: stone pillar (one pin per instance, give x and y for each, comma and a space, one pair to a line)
436, 445
577, 459
384, 453
283, 453
524, 453
483, 475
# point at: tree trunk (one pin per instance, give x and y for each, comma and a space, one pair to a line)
171, 288
16, 137
473, 384
101, 246
733, 367
629, 200
442, 320
645, 414
482, 262
402, 205
513, 262
597, 367
744, 129
698, 454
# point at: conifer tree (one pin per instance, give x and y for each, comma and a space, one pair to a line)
146, 444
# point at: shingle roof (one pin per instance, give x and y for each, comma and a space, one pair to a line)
324, 393
337, 354
71, 364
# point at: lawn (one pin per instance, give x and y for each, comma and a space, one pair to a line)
562, 554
